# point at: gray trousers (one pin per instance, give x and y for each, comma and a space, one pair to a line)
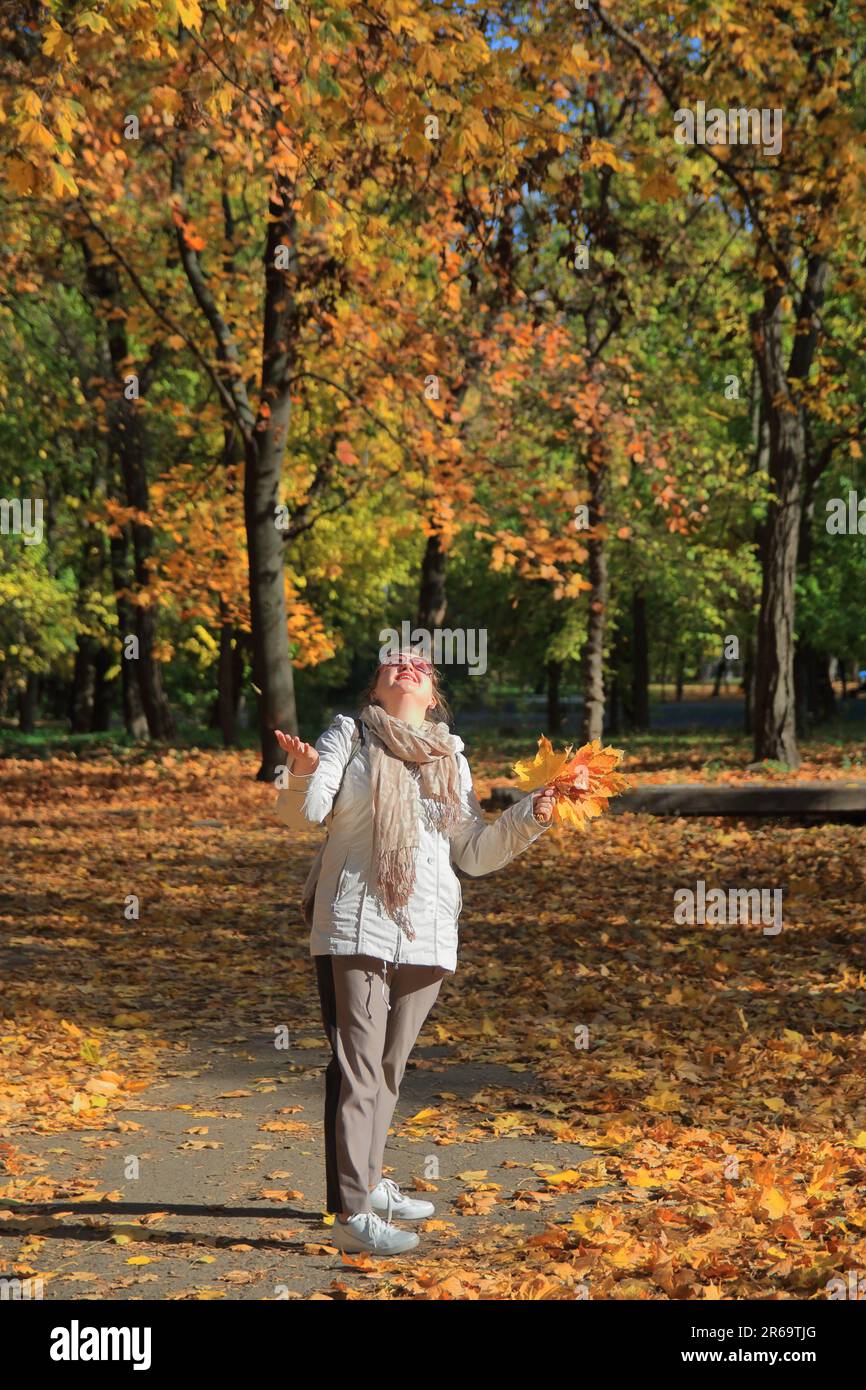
370, 1045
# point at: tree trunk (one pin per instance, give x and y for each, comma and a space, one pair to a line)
226, 687
153, 698
272, 669
623, 652
432, 598
620, 686
83, 685
749, 688
681, 674
775, 721
759, 463
126, 437
801, 690
640, 663
264, 451
775, 703
238, 665
89, 577
554, 707
133, 714
103, 693
815, 697
230, 667
28, 704
54, 696
823, 694
596, 623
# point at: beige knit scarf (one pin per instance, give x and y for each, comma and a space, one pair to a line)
394, 747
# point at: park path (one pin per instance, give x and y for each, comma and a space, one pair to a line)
224, 1207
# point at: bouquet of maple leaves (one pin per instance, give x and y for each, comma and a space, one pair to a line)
584, 782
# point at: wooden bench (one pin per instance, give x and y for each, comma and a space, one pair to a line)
823, 801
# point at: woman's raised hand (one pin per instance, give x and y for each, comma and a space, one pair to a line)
306, 759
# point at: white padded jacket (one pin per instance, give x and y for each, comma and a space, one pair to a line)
348, 919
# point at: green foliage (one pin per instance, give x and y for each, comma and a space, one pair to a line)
38, 622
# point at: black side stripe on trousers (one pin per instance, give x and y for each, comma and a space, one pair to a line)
333, 1079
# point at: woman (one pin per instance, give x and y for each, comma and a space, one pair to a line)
384, 925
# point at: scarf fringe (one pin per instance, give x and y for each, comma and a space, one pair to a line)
396, 876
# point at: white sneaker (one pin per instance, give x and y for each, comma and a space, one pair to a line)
386, 1197
366, 1231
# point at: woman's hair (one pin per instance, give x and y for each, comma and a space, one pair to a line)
440, 706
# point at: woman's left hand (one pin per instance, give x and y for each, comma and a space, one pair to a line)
543, 803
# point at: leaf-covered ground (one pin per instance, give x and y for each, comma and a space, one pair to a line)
720, 1082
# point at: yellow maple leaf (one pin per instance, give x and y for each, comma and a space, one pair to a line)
189, 13
569, 1175
774, 1203
31, 104
585, 1222
35, 134
63, 185
56, 42
544, 768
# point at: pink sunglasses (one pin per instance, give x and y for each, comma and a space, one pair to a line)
417, 661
